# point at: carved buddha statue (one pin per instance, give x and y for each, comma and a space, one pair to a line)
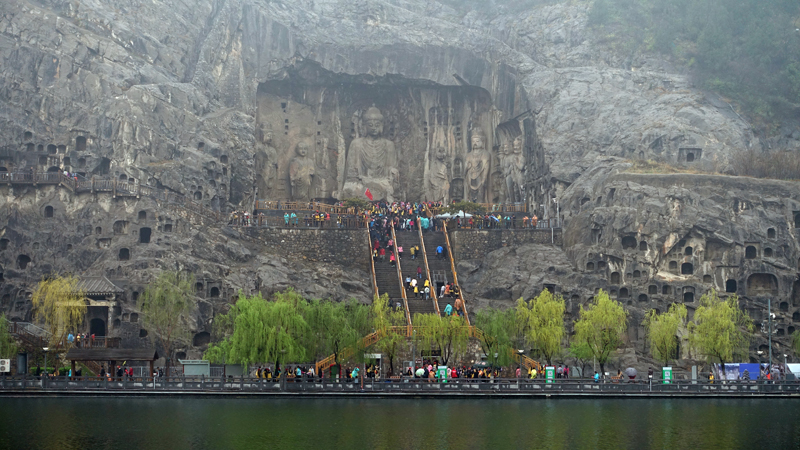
477, 167
301, 173
266, 161
372, 161
512, 164
439, 177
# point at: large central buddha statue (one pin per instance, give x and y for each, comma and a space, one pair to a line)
371, 161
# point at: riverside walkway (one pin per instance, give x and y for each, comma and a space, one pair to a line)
411, 387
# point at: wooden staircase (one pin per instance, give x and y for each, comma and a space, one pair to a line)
366, 342
374, 337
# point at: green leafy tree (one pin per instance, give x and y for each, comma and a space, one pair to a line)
262, 331
339, 328
601, 327
720, 329
495, 336
59, 306
390, 325
449, 335
796, 342
358, 203
543, 319
8, 346
662, 331
163, 306
582, 354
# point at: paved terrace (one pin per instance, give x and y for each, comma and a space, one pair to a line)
406, 387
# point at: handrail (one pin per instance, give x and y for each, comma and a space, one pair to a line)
455, 274
527, 362
400, 275
372, 263
428, 272
375, 336
366, 341
303, 206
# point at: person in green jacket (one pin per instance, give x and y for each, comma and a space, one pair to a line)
448, 310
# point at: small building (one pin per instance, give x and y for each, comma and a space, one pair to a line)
100, 295
196, 367
109, 357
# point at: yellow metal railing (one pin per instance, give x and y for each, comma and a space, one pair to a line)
407, 331
428, 272
400, 276
455, 274
375, 292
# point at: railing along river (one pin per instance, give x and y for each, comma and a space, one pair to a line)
409, 385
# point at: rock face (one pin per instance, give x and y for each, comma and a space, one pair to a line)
651, 240
228, 101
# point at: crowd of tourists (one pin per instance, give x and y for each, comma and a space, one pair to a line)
81, 340
497, 221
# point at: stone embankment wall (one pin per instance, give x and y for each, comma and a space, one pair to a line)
348, 248
476, 244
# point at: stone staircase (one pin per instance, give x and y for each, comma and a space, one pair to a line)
440, 268
386, 279
441, 271
408, 239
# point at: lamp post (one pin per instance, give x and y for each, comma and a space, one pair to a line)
519, 373
770, 317
45, 363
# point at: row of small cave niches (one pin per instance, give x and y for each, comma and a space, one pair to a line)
53, 149
750, 251
686, 293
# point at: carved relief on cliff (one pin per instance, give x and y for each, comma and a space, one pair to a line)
401, 139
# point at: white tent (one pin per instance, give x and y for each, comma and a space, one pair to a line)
450, 216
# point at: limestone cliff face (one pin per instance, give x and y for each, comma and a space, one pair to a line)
651, 240
179, 95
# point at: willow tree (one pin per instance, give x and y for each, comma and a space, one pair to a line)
8, 346
339, 328
662, 331
164, 303
720, 329
601, 327
59, 306
449, 335
496, 332
543, 319
261, 331
796, 342
390, 325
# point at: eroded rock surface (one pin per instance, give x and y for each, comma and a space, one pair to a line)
180, 95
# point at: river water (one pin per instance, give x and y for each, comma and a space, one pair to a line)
323, 424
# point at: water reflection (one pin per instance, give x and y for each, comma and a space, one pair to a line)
221, 423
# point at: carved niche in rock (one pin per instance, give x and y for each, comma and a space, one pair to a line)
381, 133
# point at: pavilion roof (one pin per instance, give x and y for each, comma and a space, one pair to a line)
98, 286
